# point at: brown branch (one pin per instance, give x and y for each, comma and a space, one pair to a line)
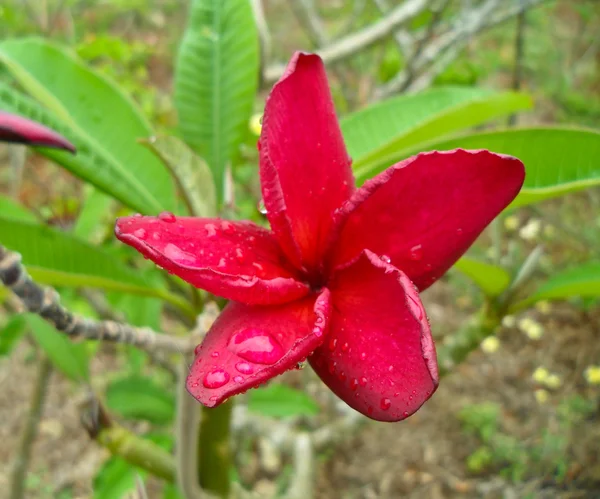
45, 302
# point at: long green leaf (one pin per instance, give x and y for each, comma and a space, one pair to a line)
72, 359
557, 160
404, 121
190, 172
11, 209
116, 479
282, 401
138, 397
11, 333
491, 279
97, 117
59, 259
216, 78
583, 281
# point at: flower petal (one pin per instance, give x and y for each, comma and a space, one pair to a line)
423, 213
304, 166
379, 356
237, 260
248, 345
17, 129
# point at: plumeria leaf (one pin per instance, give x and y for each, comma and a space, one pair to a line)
190, 172
491, 279
11, 209
558, 160
281, 401
216, 78
139, 397
582, 281
59, 259
407, 120
116, 479
11, 333
78, 97
95, 213
70, 358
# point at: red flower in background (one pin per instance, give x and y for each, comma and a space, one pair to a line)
20, 130
337, 278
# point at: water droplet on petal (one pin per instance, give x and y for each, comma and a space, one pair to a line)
385, 258
405, 414
238, 379
363, 356
211, 230
459, 231
137, 215
244, 368
256, 346
319, 320
176, 254
260, 271
332, 367
345, 347
353, 384
261, 207
156, 236
140, 233
391, 368
213, 398
342, 376
222, 263
167, 216
214, 355
363, 381
386, 404
317, 331
239, 254
227, 227
216, 378
416, 252
332, 344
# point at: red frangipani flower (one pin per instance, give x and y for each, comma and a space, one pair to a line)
20, 130
337, 279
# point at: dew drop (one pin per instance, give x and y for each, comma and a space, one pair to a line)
405, 414
385, 258
342, 376
319, 320
370, 410
216, 378
363, 356
391, 368
227, 227
140, 233
332, 367
385, 404
222, 263
332, 344
261, 207
416, 252
317, 331
214, 355
137, 215
238, 379
244, 368
211, 230
363, 381
167, 216
175, 253
239, 254
345, 347
256, 346
353, 384
459, 231
156, 236
213, 398
260, 270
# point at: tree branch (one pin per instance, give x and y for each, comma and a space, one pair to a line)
45, 302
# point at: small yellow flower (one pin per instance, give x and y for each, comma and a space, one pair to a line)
543, 306
553, 381
255, 124
509, 321
531, 328
541, 395
531, 230
540, 375
490, 344
511, 223
592, 375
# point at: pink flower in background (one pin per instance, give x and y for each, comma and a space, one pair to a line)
20, 130
337, 278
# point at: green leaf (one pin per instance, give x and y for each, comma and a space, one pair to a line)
97, 116
281, 401
14, 210
116, 479
190, 172
139, 397
59, 259
582, 281
72, 359
94, 214
216, 78
557, 160
491, 279
11, 333
407, 120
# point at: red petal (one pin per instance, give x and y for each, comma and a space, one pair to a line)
17, 129
248, 345
237, 260
423, 213
304, 166
379, 355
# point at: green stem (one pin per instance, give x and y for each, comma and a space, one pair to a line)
138, 451
457, 347
214, 449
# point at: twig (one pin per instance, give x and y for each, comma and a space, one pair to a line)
307, 16
264, 34
30, 428
302, 483
45, 302
517, 76
349, 45
403, 38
